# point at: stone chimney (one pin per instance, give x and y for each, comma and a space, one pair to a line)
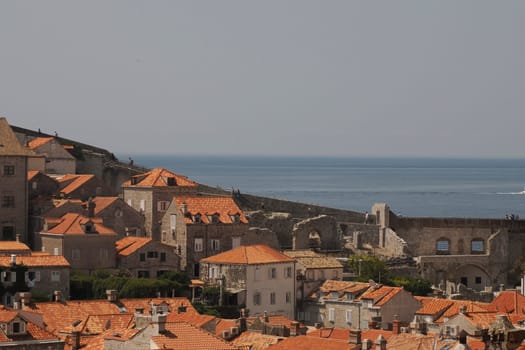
18, 237
75, 340
91, 208
266, 318
380, 343
112, 295
158, 320
396, 329
463, 310
243, 326
184, 208
25, 298
57, 296
367, 344
295, 328
354, 337
13, 259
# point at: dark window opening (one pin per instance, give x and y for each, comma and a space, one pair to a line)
464, 281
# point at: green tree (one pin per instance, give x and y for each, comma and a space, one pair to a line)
368, 267
415, 285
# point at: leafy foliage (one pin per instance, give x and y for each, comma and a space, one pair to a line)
368, 267
415, 285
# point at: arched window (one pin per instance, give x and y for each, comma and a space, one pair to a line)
443, 246
477, 246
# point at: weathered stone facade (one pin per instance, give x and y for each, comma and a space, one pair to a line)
319, 232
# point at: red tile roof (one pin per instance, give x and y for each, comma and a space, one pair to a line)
255, 341
71, 224
129, 245
223, 324
251, 255
36, 261
102, 203
60, 315
13, 246
381, 295
96, 324
31, 174
405, 341
182, 335
309, 343
225, 207
33, 332
342, 288
471, 307
344, 334
38, 141
74, 182
434, 306
192, 318
509, 301
158, 177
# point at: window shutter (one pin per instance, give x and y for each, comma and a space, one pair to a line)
331, 314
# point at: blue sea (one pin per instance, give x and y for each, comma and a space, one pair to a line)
435, 187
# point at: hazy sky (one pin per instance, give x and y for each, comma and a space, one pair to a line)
340, 78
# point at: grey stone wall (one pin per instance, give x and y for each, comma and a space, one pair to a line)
325, 226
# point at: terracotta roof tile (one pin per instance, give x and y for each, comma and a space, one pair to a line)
38, 141
255, 340
343, 287
225, 207
471, 307
33, 332
192, 318
71, 224
7, 315
36, 260
182, 335
254, 254
223, 324
405, 341
103, 202
13, 246
96, 324
60, 315
72, 182
31, 174
509, 301
158, 177
434, 306
129, 245
381, 295
308, 343
344, 334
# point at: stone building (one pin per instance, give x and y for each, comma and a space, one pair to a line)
58, 160
114, 212
259, 277
84, 241
82, 186
14, 166
151, 193
338, 296
45, 274
312, 270
23, 330
144, 257
476, 253
202, 226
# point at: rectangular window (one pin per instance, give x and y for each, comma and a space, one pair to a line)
477, 246
75, 254
464, 281
257, 298
257, 273
142, 205
331, 315
56, 251
288, 297
272, 298
348, 316
198, 244
173, 222
143, 274
236, 242
272, 273
9, 170
142, 257
163, 257
55, 276
8, 201
288, 272
163, 205
104, 254
215, 244
478, 280
17, 327
8, 233
33, 276
153, 255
